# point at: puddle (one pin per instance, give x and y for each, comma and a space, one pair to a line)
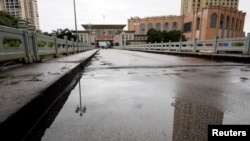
245, 70
188, 70
244, 79
132, 73
176, 74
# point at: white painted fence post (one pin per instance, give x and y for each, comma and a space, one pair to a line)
215, 44
55, 42
180, 44
22, 25
169, 45
67, 44
162, 45
195, 43
247, 48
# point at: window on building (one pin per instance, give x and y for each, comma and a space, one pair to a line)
158, 26
213, 21
150, 26
240, 25
221, 21
166, 27
175, 26
232, 25
187, 27
143, 29
198, 21
228, 22
236, 24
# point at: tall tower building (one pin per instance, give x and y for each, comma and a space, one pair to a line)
188, 6
1, 6
23, 9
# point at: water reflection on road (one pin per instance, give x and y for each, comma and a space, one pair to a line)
191, 120
80, 108
152, 104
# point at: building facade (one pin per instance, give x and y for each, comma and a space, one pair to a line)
189, 6
214, 22
204, 24
23, 9
162, 23
1, 6
113, 35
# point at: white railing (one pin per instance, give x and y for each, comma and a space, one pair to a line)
29, 46
232, 45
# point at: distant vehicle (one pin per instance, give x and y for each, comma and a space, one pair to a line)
104, 44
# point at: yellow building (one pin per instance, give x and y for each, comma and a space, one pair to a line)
189, 6
1, 6
213, 21
204, 24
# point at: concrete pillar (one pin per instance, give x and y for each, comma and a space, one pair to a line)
169, 45
67, 44
22, 25
162, 45
195, 44
31, 28
215, 44
55, 44
247, 49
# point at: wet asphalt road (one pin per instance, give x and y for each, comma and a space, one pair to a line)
134, 96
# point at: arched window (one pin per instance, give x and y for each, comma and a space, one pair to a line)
228, 22
221, 21
158, 26
150, 26
213, 21
175, 26
236, 24
198, 22
240, 24
166, 27
142, 29
232, 25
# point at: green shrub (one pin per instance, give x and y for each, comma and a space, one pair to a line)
41, 43
11, 43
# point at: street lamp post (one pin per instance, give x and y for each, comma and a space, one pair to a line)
75, 23
182, 23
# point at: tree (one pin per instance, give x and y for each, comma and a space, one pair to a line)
158, 36
175, 35
8, 20
60, 33
154, 36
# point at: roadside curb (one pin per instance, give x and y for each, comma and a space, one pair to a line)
21, 123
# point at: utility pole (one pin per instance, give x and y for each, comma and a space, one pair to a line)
75, 21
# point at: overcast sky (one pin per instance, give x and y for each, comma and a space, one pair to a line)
54, 14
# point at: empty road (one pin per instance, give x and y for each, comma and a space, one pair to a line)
135, 96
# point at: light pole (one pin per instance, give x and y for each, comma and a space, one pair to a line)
182, 23
75, 21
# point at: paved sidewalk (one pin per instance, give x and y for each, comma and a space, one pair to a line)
20, 85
